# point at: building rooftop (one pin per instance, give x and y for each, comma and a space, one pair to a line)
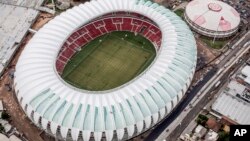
6, 125
246, 72
211, 136
3, 137
24, 3
15, 21
200, 131
231, 104
212, 124
234, 88
14, 138
213, 15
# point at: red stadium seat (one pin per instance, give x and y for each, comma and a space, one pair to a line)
109, 25
113, 22
145, 26
72, 46
103, 30
158, 44
99, 23
87, 37
127, 24
74, 36
80, 41
93, 32
82, 31
70, 40
60, 66
63, 59
137, 28
136, 22
153, 29
65, 44
117, 20
68, 53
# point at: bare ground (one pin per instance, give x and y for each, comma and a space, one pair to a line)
42, 20
18, 118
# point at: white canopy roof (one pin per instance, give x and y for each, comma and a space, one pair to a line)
151, 95
213, 15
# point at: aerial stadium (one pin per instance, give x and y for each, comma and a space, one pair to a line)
212, 18
106, 69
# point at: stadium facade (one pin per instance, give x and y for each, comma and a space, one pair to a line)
212, 18
67, 112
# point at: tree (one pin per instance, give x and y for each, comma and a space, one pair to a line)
223, 136
201, 119
1, 128
5, 115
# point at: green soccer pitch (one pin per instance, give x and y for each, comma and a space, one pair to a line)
109, 61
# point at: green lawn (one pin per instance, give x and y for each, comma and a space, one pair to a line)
179, 12
109, 61
216, 45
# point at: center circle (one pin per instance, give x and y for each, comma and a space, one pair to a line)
108, 52
214, 7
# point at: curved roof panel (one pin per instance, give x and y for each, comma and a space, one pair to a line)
152, 94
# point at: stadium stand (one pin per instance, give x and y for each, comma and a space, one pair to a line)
66, 112
132, 22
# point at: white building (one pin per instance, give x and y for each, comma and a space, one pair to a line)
200, 131
211, 136
245, 72
232, 103
187, 137
212, 18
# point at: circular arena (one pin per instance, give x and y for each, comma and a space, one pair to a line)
212, 18
55, 102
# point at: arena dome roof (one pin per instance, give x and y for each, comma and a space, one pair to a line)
56, 106
212, 15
